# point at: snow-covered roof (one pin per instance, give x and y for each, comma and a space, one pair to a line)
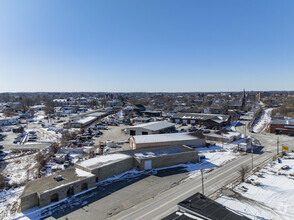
97, 114
199, 116
158, 152
155, 126
86, 120
155, 138
225, 135
103, 160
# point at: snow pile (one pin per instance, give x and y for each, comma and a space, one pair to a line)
264, 121
83, 173
273, 199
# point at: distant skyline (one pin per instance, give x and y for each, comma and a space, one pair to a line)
146, 45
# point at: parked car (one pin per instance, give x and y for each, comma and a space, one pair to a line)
66, 163
285, 167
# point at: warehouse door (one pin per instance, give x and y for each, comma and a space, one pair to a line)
148, 165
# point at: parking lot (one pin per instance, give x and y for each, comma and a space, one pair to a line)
114, 134
42, 137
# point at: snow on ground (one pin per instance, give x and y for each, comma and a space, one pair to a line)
273, 199
39, 117
264, 121
232, 126
18, 168
47, 136
9, 201
215, 156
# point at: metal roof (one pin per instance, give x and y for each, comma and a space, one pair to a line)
156, 138
155, 126
201, 206
203, 117
282, 122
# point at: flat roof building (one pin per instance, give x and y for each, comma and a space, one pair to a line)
84, 120
282, 126
210, 120
153, 158
223, 136
56, 187
106, 166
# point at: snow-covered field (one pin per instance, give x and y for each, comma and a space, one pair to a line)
264, 121
18, 168
272, 199
9, 202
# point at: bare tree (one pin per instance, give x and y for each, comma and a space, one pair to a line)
2, 180
93, 103
49, 106
243, 171
54, 147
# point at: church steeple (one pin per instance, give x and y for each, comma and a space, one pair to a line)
244, 99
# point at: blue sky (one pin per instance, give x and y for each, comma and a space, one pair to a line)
146, 45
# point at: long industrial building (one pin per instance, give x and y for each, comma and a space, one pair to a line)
175, 139
84, 120
209, 120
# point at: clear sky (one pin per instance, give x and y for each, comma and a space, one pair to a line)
146, 45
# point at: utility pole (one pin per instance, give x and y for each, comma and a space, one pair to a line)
202, 178
245, 129
252, 156
278, 146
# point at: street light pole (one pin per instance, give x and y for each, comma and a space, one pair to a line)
202, 178
245, 129
278, 146
252, 156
